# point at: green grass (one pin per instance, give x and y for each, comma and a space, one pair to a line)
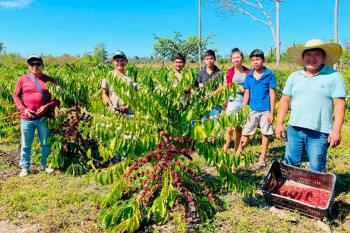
62, 203
59, 203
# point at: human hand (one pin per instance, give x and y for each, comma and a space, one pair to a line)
270, 118
29, 113
111, 107
225, 104
41, 111
124, 109
334, 139
240, 88
188, 91
279, 131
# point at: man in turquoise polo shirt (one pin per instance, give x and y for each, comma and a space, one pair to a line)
316, 95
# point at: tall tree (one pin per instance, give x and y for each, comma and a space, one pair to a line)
100, 51
258, 12
166, 47
1, 47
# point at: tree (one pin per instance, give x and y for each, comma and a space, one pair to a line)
257, 12
100, 51
1, 47
159, 176
167, 47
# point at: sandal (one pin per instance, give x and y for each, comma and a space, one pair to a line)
260, 166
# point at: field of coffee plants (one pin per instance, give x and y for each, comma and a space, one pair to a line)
148, 161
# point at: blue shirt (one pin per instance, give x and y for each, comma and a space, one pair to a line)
259, 90
312, 98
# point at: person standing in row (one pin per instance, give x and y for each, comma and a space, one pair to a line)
235, 74
316, 95
259, 94
179, 62
210, 71
114, 102
33, 99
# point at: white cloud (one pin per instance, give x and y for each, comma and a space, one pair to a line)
15, 4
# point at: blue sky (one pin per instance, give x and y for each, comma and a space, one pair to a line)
75, 26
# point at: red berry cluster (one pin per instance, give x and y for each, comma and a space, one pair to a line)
168, 157
312, 196
69, 127
75, 145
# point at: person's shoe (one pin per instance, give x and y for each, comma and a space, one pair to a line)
116, 158
49, 170
260, 166
24, 172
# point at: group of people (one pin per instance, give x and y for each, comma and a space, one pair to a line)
314, 94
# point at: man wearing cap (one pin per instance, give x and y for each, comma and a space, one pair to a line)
33, 99
316, 95
115, 103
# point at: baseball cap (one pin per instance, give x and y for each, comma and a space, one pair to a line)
119, 54
33, 57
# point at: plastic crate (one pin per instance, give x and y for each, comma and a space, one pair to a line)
279, 173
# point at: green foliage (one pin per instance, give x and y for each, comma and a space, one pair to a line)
11, 60
167, 47
281, 78
271, 56
345, 57
9, 117
100, 52
160, 183
346, 75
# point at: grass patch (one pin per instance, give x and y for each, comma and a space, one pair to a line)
62, 203
59, 203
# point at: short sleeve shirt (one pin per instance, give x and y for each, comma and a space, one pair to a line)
239, 79
116, 100
312, 98
259, 89
203, 76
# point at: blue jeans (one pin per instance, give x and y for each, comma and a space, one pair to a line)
314, 143
213, 113
27, 135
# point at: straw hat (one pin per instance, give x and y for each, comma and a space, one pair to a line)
333, 51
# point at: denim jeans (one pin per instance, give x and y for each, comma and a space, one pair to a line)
27, 135
314, 143
213, 113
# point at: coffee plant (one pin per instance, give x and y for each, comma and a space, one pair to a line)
157, 186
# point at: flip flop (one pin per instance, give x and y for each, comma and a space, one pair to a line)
260, 166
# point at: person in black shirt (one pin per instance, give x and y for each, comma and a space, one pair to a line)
210, 71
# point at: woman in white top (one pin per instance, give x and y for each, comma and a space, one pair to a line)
236, 73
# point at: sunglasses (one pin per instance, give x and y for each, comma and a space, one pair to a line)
35, 64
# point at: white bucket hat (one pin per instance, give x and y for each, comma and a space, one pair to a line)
333, 51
